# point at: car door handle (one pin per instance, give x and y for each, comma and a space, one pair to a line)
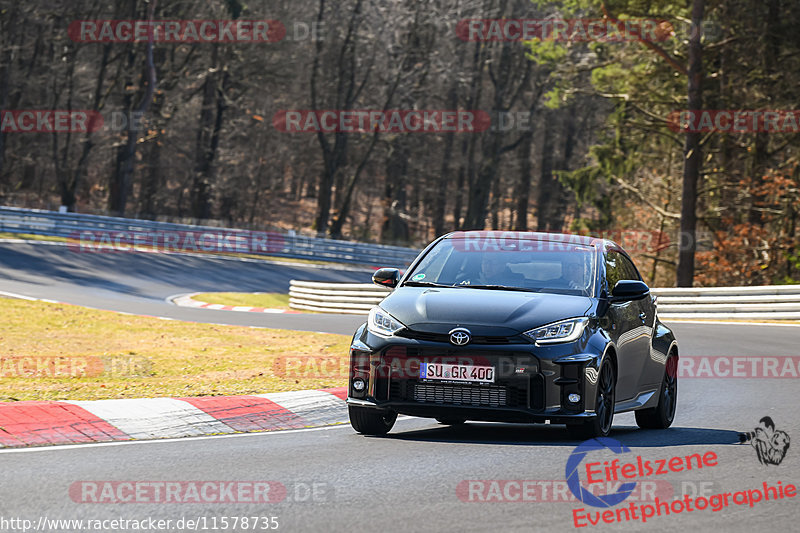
643, 316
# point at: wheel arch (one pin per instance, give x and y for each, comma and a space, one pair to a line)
610, 354
673, 348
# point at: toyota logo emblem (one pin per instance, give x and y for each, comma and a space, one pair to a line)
460, 336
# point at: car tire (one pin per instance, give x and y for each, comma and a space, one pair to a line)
599, 425
662, 415
451, 421
371, 421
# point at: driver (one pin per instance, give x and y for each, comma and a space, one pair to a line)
495, 271
492, 270
572, 274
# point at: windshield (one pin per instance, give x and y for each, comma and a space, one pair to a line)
536, 266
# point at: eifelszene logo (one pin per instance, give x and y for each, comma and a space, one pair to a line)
771, 444
574, 481
618, 470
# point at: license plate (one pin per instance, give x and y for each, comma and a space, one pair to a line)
449, 372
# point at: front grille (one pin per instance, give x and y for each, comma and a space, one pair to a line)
445, 337
537, 392
459, 395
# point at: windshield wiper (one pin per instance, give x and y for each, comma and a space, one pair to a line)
498, 287
424, 284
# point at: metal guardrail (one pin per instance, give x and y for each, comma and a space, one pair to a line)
132, 231
775, 302
768, 302
350, 298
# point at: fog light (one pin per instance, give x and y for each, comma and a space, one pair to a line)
359, 384
574, 398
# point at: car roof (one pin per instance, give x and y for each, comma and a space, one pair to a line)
566, 238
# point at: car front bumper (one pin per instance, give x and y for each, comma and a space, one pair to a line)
532, 384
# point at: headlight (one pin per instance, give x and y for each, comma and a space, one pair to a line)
382, 323
564, 331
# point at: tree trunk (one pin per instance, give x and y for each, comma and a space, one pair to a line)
120, 185
395, 226
347, 89
213, 107
524, 185
439, 200
478, 200
692, 155
5, 81
69, 189
559, 211
758, 163
545, 193
344, 211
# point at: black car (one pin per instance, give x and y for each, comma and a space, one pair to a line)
514, 327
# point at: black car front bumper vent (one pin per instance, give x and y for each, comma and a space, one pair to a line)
448, 394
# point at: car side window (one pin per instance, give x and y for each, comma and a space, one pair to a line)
628, 271
613, 270
619, 267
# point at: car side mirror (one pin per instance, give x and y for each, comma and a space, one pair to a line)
626, 290
386, 277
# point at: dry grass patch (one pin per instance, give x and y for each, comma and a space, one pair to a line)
145, 357
268, 300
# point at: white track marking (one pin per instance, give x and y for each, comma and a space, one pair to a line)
723, 323
317, 407
149, 418
161, 441
184, 440
18, 296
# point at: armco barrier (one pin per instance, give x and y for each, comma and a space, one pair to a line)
66, 225
774, 302
350, 298
768, 302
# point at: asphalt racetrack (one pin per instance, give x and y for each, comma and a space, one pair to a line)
422, 476
141, 283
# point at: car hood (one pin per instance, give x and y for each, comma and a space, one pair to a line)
424, 308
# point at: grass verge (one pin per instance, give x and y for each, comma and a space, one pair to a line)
31, 237
64, 352
268, 300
